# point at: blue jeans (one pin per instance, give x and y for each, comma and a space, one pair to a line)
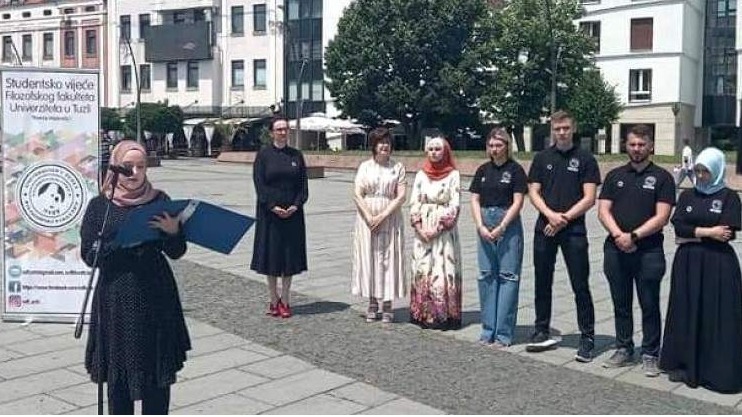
499, 278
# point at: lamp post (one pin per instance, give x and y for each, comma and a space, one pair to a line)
299, 102
553, 56
127, 42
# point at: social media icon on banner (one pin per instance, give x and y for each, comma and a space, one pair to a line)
15, 301
14, 286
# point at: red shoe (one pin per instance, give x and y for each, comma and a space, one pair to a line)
273, 309
284, 310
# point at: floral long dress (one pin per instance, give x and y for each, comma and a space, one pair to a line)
435, 293
378, 257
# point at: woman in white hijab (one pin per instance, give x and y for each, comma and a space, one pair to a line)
703, 331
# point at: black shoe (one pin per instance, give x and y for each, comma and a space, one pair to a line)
540, 342
585, 351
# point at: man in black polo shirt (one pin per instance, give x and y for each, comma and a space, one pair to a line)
634, 206
563, 180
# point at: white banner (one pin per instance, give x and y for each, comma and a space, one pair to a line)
50, 122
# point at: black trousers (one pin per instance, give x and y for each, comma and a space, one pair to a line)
574, 250
155, 401
645, 267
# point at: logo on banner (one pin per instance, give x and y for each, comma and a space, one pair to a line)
15, 271
51, 196
14, 286
15, 301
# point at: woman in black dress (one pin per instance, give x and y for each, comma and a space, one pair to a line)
282, 189
143, 337
703, 331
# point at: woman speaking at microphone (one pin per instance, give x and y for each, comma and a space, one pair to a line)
143, 337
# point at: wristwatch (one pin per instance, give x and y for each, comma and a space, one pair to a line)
634, 237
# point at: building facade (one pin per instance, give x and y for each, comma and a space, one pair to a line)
674, 64
55, 34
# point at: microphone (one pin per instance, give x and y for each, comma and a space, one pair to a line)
121, 170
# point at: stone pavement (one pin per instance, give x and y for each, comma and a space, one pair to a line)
326, 360
330, 219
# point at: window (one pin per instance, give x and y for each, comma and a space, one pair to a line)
292, 91
26, 15
144, 24
259, 18
198, 15
592, 30
179, 18
172, 75
145, 77
69, 11
91, 42
641, 34
69, 44
640, 85
192, 75
48, 45
238, 73
47, 12
293, 9
259, 73
238, 20
27, 47
126, 78
126, 27
317, 90
7, 48
6, 16
317, 8
89, 8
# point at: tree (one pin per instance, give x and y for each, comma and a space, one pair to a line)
526, 38
110, 119
157, 118
409, 60
593, 102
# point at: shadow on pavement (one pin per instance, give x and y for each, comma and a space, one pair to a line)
319, 307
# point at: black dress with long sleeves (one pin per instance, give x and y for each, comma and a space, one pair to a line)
280, 178
702, 345
144, 339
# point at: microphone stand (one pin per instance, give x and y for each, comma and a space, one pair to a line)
81, 318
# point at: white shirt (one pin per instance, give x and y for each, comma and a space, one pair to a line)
687, 161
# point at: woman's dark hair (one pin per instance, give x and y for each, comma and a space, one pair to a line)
379, 135
276, 119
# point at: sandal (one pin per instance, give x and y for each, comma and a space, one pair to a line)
387, 317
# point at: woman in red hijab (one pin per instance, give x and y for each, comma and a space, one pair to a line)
435, 294
143, 337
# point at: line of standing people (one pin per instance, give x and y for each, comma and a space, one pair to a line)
703, 330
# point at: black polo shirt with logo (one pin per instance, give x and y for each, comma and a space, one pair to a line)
497, 184
635, 196
562, 175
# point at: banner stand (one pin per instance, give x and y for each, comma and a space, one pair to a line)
51, 121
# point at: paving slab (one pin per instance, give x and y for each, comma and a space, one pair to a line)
402, 406
296, 387
40, 363
320, 405
81, 395
38, 404
11, 390
362, 393
218, 361
278, 367
228, 404
212, 386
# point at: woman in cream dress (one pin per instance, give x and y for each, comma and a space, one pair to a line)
378, 242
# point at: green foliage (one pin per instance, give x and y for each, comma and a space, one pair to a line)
156, 118
408, 60
593, 102
110, 119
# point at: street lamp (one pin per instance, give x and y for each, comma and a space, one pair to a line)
127, 42
553, 56
300, 101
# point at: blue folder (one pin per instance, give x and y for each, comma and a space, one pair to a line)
204, 224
